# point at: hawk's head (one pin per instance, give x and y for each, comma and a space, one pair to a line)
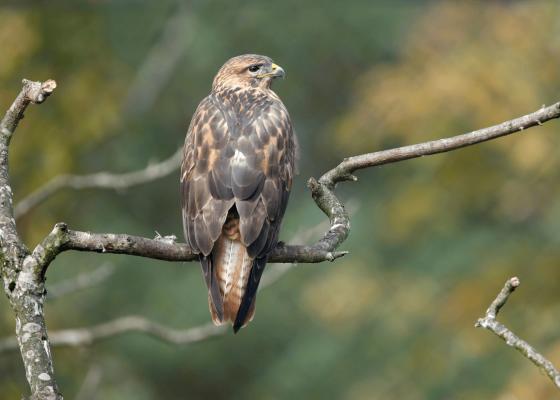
248, 70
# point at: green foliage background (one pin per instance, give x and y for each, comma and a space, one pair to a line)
432, 239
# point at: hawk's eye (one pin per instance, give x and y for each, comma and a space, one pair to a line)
255, 68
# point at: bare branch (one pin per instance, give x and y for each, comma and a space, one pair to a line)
100, 180
22, 275
489, 322
32, 92
161, 60
344, 170
322, 190
129, 324
91, 384
118, 326
162, 248
152, 76
81, 281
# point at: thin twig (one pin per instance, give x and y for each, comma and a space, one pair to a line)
90, 386
150, 79
89, 335
82, 281
162, 59
100, 180
118, 326
489, 322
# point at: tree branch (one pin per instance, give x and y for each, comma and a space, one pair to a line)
21, 273
322, 190
32, 92
344, 170
122, 325
150, 79
89, 335
100, 180
489, 322
91, 384
162, 248
82, 281
162, 59
129, 324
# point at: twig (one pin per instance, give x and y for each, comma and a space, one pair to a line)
489, 322
161, 60
150, 79
118, 326
90, 386
100, 180
81, 281
128, 324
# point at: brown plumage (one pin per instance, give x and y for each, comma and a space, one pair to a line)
236, 176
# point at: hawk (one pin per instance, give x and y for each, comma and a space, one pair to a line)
236, 175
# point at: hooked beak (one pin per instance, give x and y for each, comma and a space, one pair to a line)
277, 71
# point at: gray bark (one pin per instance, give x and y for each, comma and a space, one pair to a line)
22, 274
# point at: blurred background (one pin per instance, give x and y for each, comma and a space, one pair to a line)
432, 240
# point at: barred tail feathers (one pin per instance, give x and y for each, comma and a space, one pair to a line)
233, 266
231, 269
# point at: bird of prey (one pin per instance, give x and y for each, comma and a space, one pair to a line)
236, 176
